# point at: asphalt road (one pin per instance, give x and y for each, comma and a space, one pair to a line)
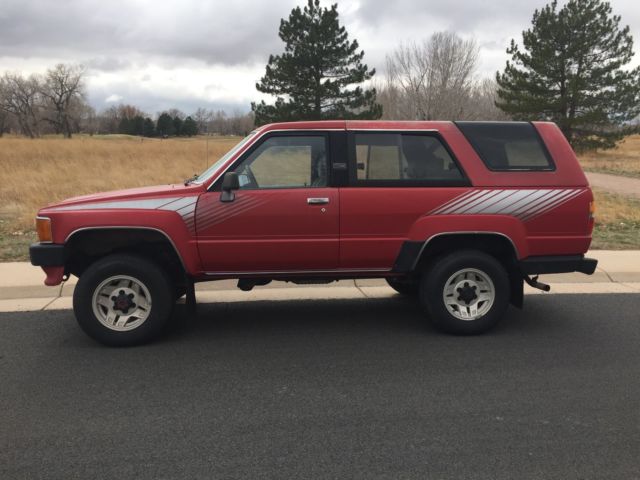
328, 389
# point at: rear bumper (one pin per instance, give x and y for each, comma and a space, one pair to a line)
558, 264
46, 255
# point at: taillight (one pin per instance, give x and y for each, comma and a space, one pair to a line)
592, 209
43, 227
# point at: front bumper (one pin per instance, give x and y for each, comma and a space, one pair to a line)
47, 255
51, 257
558, 264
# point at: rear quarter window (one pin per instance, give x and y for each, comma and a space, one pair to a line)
508, 146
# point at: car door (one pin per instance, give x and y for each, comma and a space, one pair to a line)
394, 179
284, 217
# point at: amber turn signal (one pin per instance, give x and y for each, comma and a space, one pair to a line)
43, 227
592, 209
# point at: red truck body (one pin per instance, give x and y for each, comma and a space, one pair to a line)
347, 227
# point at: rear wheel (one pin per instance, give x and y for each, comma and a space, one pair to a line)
123, 300
465, 293
404, 286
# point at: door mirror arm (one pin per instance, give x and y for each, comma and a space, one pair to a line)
230, 183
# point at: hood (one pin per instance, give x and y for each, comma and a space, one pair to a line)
141, 193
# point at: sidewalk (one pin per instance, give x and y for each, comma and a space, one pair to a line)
22, 287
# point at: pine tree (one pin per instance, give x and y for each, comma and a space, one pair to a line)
189, 127
177, 126
320, 73
149, 129
570, 71
164, 127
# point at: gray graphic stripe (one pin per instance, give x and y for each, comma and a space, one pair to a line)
179, 203
523, 197
146, 204
479, 201
553, 205
555, 196
530, 197
468, 201
455, 201
494, 203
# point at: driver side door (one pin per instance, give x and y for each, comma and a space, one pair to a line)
284, 217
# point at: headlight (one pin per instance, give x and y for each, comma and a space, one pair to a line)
43, 227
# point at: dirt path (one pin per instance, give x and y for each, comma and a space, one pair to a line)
615, 183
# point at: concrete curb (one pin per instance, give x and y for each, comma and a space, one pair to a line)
21, 287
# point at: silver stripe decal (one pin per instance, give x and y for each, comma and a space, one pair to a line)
466, 201
542, 202
179, 203
455, 201
489, 206
481, 201
521, 203
552, 206
532, 196
146, 204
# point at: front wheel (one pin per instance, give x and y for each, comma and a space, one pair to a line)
123, 300
465, 293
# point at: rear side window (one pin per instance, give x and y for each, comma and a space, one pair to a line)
506, 146
403, 158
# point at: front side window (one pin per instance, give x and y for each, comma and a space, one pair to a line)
400, 156
285, 162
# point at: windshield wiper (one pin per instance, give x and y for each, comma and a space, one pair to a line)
191, 180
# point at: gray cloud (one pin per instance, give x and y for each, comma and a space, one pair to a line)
131, 48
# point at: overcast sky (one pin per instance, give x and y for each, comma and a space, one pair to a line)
159, 54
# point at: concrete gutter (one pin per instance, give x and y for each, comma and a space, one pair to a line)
22, 288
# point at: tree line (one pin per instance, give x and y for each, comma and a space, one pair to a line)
55, 103
571, 68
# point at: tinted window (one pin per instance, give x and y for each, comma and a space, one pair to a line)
394, 156
285, 162
507, 146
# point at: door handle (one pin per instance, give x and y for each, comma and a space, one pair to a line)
317, 201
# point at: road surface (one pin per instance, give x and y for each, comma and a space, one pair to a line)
328, 389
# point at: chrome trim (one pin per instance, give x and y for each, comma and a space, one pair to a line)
415, 263
38, 217
317, 200
131, 228
408, 130
297, 272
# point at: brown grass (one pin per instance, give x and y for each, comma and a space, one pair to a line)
623, 160
38, 172
617, 222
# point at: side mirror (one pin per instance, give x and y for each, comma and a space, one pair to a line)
230, 182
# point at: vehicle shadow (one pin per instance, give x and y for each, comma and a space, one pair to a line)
397, 315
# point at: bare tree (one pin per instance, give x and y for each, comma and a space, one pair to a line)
202, 118
430, 80
63, 92
20, 98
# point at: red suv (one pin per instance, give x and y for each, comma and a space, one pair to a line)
456, 214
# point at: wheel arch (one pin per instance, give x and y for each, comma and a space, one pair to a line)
85, 245
415, 257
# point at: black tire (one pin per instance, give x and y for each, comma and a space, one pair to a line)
404, 286
151, 276
432, 290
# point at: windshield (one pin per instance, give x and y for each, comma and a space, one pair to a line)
213, 169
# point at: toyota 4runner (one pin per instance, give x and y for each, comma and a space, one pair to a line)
457, 214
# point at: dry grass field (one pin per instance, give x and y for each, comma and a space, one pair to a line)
34, 173
624, 160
